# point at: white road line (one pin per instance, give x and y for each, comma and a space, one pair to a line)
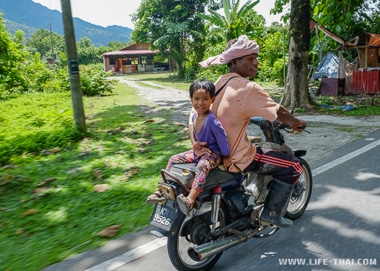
129, 256
142, 250
345, 158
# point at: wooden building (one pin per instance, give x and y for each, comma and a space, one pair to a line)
368, 47
131, 59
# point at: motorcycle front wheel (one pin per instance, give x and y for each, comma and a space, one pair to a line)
189, 232
301, 193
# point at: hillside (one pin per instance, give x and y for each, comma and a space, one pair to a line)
29, 17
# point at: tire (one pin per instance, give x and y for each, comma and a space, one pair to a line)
179, 245
301, 193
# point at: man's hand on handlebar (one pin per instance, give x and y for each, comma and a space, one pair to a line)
298, 126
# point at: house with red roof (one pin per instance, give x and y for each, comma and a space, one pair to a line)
131, 59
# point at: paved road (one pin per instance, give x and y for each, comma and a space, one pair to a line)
339, 231
322, 127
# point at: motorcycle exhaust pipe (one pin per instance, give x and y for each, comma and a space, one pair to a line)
201, 252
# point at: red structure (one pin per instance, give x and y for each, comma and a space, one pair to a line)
366, 81
364, 78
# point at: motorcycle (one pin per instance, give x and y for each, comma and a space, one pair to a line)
227, 212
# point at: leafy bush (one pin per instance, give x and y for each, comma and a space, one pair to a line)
95, 82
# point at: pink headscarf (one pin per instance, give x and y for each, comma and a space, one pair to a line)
242, 47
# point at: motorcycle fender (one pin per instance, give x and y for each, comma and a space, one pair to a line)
166, 217
300, 153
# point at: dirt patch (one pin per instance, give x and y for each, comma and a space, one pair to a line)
326, 132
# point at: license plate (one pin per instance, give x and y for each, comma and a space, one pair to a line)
163, 217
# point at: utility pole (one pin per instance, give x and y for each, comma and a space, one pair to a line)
52, 44
73, 65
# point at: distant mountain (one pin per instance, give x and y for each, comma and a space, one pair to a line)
30, 16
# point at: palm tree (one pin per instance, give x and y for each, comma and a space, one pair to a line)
235, 21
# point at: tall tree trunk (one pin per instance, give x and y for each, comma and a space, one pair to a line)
296, 88
180, 69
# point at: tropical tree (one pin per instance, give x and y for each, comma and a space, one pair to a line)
172, 27
234, 22
221, 28
46, 43
274, 54
20, 70
87, 52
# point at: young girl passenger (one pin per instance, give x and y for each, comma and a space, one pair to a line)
206, 128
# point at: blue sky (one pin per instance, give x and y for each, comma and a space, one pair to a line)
117, 12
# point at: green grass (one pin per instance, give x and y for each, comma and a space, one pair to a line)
49, 209
345, 129
365, 105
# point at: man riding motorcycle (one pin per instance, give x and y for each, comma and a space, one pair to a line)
237, 100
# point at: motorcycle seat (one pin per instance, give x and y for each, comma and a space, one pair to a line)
216, 177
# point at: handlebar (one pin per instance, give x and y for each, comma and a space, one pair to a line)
265, 124
303, 127
271, 130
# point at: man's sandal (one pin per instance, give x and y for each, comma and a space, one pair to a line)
155, 198
185, 204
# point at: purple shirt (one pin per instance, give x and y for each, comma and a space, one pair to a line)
214, 134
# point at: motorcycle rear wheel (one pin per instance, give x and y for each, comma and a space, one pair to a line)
178, 245
301, 194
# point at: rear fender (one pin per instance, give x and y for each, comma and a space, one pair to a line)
300, 153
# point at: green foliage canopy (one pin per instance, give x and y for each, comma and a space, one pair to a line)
345, 18
46, 43
87, 52
11, 56
172, 27
235, 21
